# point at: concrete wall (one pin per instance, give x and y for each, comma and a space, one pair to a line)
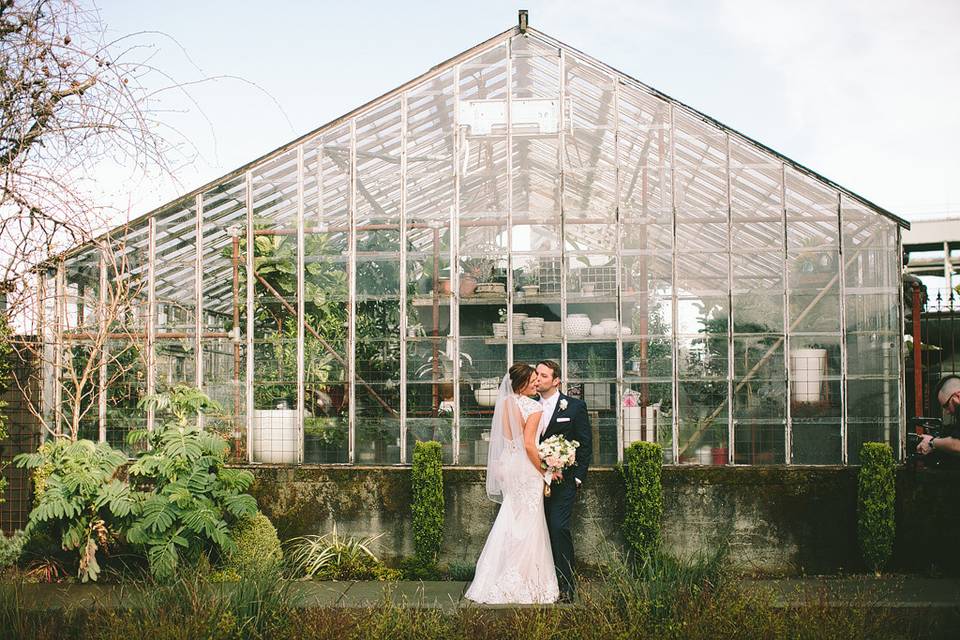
777, 520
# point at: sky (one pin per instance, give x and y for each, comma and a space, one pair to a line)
864, 93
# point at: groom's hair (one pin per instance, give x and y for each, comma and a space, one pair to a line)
552, 365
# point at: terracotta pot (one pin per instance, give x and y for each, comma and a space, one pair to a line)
718, 455
468, 284
443, 286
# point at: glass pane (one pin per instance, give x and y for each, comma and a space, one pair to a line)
647, 414
873, 414
815, 413
703, 422
276, 428
812, 221
644, 149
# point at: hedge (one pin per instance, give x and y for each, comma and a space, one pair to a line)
875, 504
641, 471
427, 486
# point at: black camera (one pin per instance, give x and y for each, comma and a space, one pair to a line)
919, 427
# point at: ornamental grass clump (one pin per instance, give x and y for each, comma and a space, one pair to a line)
332, 556
427, 498
876, 494
641, 471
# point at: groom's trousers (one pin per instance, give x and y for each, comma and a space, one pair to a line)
559, 511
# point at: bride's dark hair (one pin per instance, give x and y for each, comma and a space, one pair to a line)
520, 375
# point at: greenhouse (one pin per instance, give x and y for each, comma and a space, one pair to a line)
367, 285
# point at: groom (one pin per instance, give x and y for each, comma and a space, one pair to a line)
568, 417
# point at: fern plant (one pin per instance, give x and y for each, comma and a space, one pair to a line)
194, 497
82, 503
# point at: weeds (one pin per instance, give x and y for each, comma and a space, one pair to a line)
660, 598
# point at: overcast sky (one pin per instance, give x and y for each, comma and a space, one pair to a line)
865, 93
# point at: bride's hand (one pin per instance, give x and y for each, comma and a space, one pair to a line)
558, 475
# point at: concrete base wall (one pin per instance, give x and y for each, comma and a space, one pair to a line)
776, 520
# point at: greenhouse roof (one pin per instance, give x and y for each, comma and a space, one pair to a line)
473, 51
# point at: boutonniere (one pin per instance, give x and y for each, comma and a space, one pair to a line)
563, 404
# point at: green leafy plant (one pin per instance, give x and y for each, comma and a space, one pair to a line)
257, 545
11, 548
875, 504
193, 497
428, 506
641, 471
81, 502
332, 556
462, 571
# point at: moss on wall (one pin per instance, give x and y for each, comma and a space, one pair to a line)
776, 520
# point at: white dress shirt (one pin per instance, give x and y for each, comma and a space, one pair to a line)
549, 405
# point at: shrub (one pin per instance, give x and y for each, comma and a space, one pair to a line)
875, 504
641, 471
82, 502
462, 571
194, 498
11, 548
415, 568
332, 556
257, 546
427, 485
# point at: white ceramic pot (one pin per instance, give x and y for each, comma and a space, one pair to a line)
486, 397
275, 436
808, 369
597, 330
578, 325
610, 326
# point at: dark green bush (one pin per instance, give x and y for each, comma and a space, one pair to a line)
257, 546
875, 504
641, 471
427, 485
462, 571
415, 568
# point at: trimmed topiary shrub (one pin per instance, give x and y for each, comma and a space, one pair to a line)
257, 546
641, 471
427, 481
875, 504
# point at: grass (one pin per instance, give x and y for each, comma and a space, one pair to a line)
661, 598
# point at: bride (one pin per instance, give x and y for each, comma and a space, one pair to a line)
516, 564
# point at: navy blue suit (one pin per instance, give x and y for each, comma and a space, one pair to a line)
572, 423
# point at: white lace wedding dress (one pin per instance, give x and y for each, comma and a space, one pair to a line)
516, 564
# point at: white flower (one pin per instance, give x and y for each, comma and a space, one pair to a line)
563, 404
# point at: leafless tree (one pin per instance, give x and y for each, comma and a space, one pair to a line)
71, 102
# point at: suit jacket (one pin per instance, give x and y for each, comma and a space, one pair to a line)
572, 423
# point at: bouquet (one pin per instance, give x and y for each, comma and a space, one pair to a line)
556, 454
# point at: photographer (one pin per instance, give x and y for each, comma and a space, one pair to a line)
948, 395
